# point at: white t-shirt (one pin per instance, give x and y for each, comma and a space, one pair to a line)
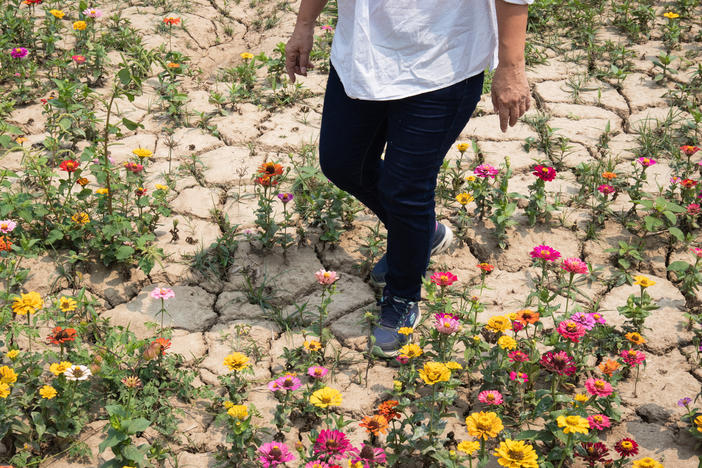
391, 49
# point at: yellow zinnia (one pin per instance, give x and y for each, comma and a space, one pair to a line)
58, 368
80, 25
580, 398
239, 412
698, 423
499, 324
469, 447
312, 345
7, 375
462, 147
4, 390
573, 424
671, 15
464, 198
57, 13
162, 187
507, 342
81, 218
484, 425
434, 372
405, 331
236, 362
12, 354
326, 397
411, 350
102, 191
27, 303
516, 454
142, 153
67, 304
646, 462
247, 55
453, 365
642, 281
48, 392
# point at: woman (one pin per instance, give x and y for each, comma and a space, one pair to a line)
405, 76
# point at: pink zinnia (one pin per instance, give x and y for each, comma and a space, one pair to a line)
693, 209
19, 52
446, 323
559, 363
325, 277
598, 318
695, 250
78, 59
92, 13
518, 356
274, 386
7, 225
545, 252
633, 357
574, 265
317, 464
274, 454
289, 382
586, 320
544, 173
162, 293
598, 421
485, 171
598, 387
571, 330
605, 189
133, 167
519, 377
490, 397
646, 162
443, 278
327, 27
317, 372
368, 456
332, 444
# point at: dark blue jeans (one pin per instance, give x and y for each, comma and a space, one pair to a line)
399, 189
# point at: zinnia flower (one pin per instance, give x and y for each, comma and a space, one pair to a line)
498, 324
519, 377
312, 345
131, 381
592, 452
8, 375
518, 356
326, 397
325, 277
545, 252
644, 282
443, 278
526, 316
598, 421
142, 153
162, 293
573, 424
586, 320
7, 226
27, 303
462, 147
67, 304
574, 265
375, 424
285, 197
446, 323
646, 162
5, 244
289, 382
434, 372
333, 444
516, 454
486, 267
598, 387
236, 361
571, 330
80, 25
646, 462
92, 13
544, 173
490, 397
671, 15
689, 150
693, 209
464, 198
608, 367
133, 167
411, 350
485, 171
12, 354
81, 218
484, 425
19, 52
77, 372
247, 55
171, 21
317, 372
626, 447
387, 409
48, 392
469, 447
609, 175
368, 456
605, 189
559, 363
61, 336
507, 342
239, 412
274, 454
57, 13
635, 338
4, 390
58, 368
633, 357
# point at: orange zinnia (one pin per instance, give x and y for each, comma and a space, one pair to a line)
609, 175
375, 424
5, 244
527, 316
609, 366
270, 169
635, 338
387, 409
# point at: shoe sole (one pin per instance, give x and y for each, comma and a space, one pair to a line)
377, 352
443, 246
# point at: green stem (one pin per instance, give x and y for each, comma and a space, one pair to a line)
570, 284
567, 450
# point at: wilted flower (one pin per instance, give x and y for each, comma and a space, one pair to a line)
518, 356
519, 377
592, 452
131, 381
133, 167
81, 218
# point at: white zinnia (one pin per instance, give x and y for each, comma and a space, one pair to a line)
77, 372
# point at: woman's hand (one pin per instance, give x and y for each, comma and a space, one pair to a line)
510, 94
297, 50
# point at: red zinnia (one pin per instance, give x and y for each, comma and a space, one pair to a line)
60, 336
170, 21
544, 173
605, 189
689, 150
559, 363
688, 183
69, 165
486, 267
626, 447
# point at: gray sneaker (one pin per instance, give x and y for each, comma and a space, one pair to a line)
395, 313
440, 243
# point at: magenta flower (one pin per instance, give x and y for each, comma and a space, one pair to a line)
646, 162
559, 363
485, 171
605, 189
78, 59
7, 225
574, 265
446, 323
633, 357
545, 252
683, 402
162, 293
695, 250
325, 277
92, 13
490, 397
289, 382
443, 278
693, 209
402, 359
598, 387
519, 377
518, 356
134, 168
317, 464
19, 52
571, 330
598, 318
517, 326
332, 444
586, 320
274, 386
545, 173
598, 421
327, 27
285, 197
368, 456
274, 454
317, 372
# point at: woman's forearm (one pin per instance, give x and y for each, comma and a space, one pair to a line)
309, 12
511, 24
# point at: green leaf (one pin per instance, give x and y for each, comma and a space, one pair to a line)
679, 266
652, 223
528, 435
671, 217
133, 426
53, 236
677, 233
113, 438
124, 252
131, 125
124, 76
133, 454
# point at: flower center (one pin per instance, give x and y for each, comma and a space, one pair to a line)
78, 372
572, 420
545, 253
599, 384
571, 327
276, 452
515, 454
632, 353
627, 445
490, 397
597, 418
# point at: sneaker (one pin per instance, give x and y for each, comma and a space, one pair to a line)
441, 241
395, 313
